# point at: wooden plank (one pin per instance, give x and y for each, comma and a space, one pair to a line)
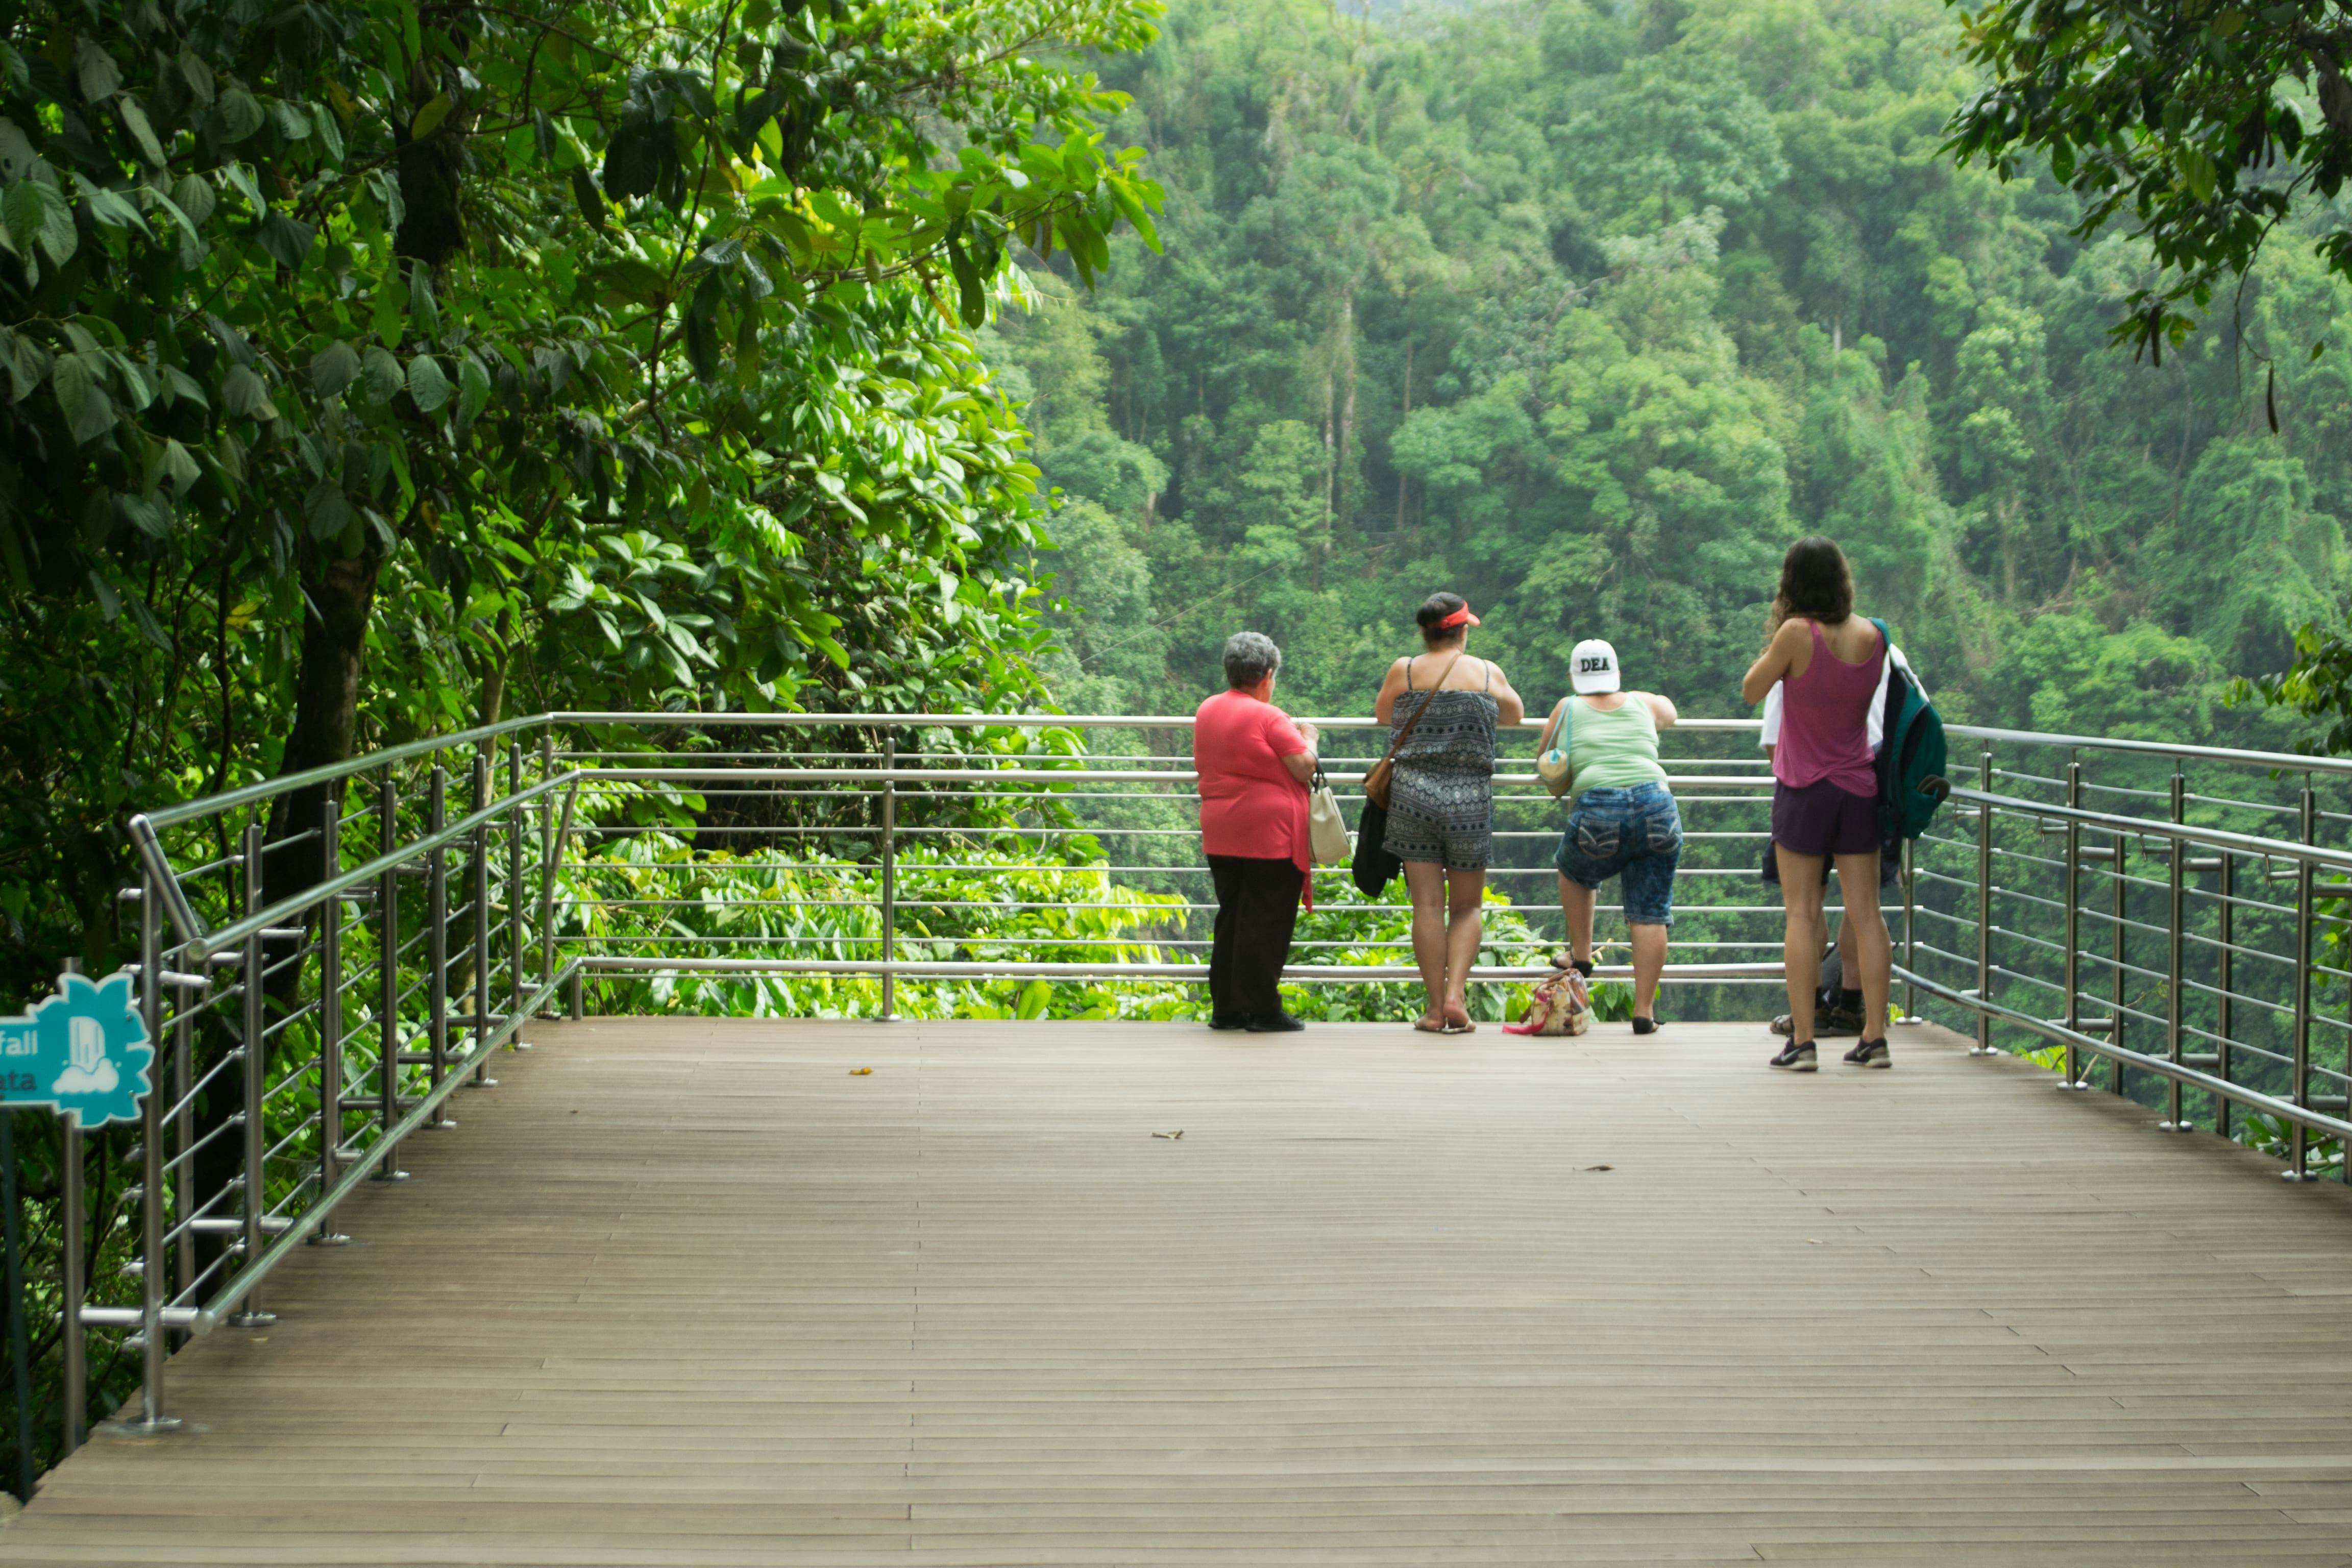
684, 1292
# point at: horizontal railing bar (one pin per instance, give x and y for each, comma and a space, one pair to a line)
951, 969
2187, 832
2235, 1093
299, 903
460, 1068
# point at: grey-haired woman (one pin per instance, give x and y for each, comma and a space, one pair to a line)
1254, 765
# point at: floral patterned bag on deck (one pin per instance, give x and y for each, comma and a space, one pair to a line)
1561, 1005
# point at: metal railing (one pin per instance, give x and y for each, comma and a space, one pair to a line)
327, 959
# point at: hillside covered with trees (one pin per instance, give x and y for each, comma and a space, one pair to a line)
1586, 311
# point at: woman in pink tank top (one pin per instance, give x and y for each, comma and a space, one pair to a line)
1826, 660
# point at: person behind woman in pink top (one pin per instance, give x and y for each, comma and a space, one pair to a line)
1825, 787
1254, 765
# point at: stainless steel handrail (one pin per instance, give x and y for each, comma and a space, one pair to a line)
535, 919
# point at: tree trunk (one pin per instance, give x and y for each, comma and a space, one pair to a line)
1400, 419
1346, 397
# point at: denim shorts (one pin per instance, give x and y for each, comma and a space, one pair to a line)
1637, 832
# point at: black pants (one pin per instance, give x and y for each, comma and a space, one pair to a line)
1258, 908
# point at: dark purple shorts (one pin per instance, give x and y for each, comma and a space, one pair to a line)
1822, 819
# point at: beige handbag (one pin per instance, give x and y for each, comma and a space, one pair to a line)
1382, 778
1326, 830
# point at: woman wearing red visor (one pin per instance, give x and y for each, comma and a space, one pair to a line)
1441, 812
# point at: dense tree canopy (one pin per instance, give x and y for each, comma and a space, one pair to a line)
2199, 127
1586, 311
374, 367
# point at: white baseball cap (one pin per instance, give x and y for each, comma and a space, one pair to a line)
1592, 667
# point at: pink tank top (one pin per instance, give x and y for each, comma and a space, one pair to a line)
1825, 721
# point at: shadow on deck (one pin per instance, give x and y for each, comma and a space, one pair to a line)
688, 1292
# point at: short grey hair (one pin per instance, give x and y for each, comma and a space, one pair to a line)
1250, 657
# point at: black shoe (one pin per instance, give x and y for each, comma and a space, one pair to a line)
1224, 1020
1280, 1023
1797, 1057
1837, 1022
1648, 1026
1870, 1053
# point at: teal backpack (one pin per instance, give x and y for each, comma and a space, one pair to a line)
1911, 756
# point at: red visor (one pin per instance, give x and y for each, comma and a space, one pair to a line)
1461, 617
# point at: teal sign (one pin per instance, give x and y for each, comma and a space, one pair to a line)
82, 1053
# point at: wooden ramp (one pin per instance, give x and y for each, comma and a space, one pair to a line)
688, 1292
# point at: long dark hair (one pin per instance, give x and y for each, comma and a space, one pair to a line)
1436, 608
1815, 583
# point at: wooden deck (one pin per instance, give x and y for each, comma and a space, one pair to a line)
687, 1292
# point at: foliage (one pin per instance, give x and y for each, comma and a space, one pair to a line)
1585, 312
371, 360
2203, 128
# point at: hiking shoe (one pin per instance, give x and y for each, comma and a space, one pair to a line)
1870, 1053
1795, 1057
1829, 1023
1835, 1022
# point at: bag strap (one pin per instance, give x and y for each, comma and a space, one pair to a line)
1406, 733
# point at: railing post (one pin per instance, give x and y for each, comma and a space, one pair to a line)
387, 966
2118, 851
150, 1417
2176, 903
1909, 874
256, 1080
890, 876
2225, 974
1984, 1047
72, 1239
2074, 949
550, 846
331, 1012
516, 821
183, 1133
481, 878
2298, 1140
436, 941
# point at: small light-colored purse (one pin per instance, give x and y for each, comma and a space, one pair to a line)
1326, 830
1551, 764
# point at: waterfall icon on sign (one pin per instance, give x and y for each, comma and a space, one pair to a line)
87, 1069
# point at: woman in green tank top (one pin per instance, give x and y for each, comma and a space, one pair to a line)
1622, 822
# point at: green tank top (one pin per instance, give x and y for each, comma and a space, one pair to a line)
1615, 750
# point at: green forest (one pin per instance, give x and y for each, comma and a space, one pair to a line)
1587, 311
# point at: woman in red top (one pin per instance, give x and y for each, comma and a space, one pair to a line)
1254, 765
1825, 787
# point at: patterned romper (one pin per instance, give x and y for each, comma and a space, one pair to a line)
1442, 807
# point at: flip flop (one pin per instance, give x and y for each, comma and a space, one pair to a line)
1426, 1028
1459, 1029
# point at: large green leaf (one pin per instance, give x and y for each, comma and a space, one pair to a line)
38, 216
81, 395
240, 114
428, 384
333, 368
243, 395
385, 377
